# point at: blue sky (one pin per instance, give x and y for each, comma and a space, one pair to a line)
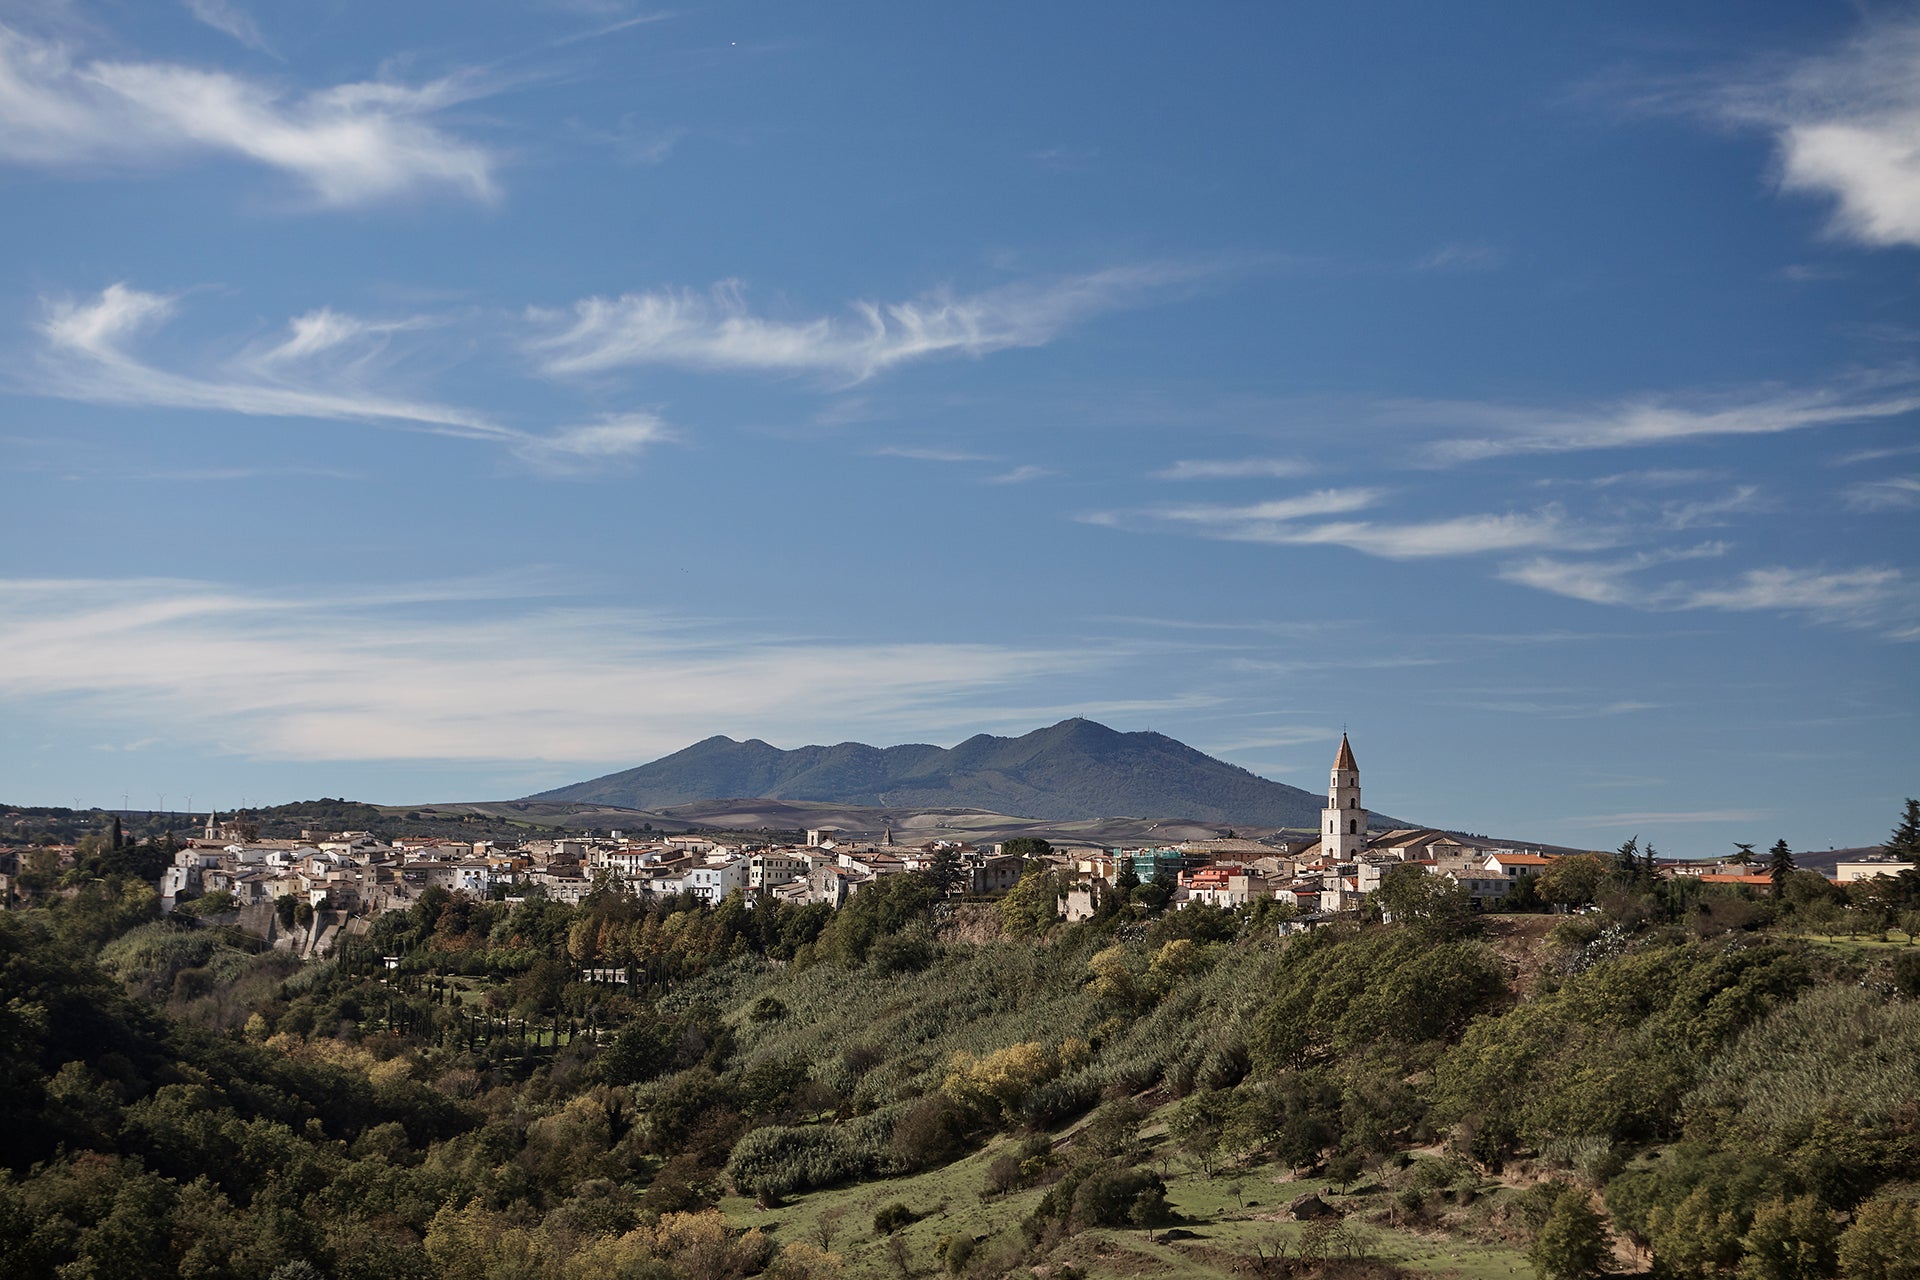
424, 402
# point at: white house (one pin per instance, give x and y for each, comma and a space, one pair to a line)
1878, 864
775, 867
716, 880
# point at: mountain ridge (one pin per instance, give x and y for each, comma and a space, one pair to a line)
1075, 770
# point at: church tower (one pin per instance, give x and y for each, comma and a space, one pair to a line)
1343, 825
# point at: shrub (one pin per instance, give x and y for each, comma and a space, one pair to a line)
892, 1218
1571, 1243
931, 1132
956, 1251
1102, 1194
780, 1160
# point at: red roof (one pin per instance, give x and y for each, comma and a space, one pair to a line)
1345, 759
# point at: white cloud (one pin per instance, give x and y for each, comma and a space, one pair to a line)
327, 330
1233, 469
1876, 455
580, 449
1511, 429
1847, 126
1854, 595
930, 455
1283, 522
1019, 475
351, 144
232, 20
1325, 502
319, 370
1461, 257
1896, 493
1279, 523
715, 330
1875, 598
1603, 581
1680, 817
87, 358
1655, 477
1707, 512
421, 674
1456, 536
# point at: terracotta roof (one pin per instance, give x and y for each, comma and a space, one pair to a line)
1345, 759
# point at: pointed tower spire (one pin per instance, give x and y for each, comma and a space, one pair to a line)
1343, 823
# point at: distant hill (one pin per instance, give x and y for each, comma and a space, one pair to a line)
1071, 771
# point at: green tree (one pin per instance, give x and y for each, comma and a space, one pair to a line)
1573, 882
1695, 1236
1743, 855
1432, 904
1780, 865
1031, 905
1904, 843
944, 873
1790, 1240
1627, 858
1572, 1243
1883, 1241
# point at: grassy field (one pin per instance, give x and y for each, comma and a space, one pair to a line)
1894, 941
1226, 1221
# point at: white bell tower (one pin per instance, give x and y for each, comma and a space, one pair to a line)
1343, 824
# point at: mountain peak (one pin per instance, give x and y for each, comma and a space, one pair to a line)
1073, 770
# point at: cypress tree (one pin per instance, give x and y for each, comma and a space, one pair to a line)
1905, 840
1780, 865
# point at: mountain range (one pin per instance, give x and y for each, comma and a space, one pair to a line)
1077, 769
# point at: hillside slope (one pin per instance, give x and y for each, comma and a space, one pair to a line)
1073, 770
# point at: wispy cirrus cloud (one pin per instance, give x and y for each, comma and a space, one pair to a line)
1293, 522
1233, 469
1504, 430
1877, 598
421, 673
1859, 596
1895, 493
1601, 581
1847, 126
1460, 257
321, 369
1683, 817
919, 454
230, 19
1711, 512
1019, 475
715, 330
1257, 515
1859, 456
350, 144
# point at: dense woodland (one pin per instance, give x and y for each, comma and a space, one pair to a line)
1663, 1076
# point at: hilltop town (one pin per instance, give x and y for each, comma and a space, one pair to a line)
307, 894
